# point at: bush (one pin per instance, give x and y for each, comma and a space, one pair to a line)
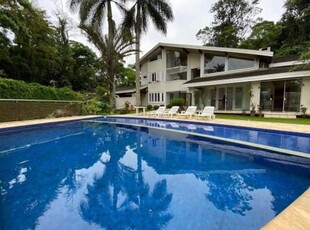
155, 107
149, 107
177, 102
14, 89
94, 107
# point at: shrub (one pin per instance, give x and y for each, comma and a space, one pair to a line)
94, 107
149, 107
177, 102
14, 89
155, 107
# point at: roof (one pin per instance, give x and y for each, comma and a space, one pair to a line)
129, 89
200, 49
258, 72
288, 58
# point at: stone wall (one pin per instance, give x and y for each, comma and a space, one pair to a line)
28, 110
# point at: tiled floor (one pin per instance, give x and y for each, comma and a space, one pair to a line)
296, 216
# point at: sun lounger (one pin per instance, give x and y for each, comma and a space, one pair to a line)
157, 112
172, 111
189, 112
208, 112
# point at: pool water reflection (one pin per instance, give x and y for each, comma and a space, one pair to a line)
299, 142
99, 176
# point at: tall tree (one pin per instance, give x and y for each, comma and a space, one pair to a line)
28, 51
264, 34
137, 19
84, 68
113, 50
232, 21
295, 21
92, 13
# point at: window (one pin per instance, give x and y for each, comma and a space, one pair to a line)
156, 97
239, 63
176, 58
155, 76
156, 56
213, 64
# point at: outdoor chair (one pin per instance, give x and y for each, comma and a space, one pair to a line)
157, 112
190, 111
208, 112
172, 111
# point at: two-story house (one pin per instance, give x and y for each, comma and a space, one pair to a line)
232, 80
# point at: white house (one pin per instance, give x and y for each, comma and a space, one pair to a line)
232, 80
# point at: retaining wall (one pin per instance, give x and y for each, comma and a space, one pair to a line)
17, 110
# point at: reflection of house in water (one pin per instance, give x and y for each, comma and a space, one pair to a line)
231, 172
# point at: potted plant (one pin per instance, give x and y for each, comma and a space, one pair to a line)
252, 110
303, 110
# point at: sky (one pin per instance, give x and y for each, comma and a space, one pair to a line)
189, 17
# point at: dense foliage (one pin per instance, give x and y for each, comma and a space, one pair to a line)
233, 19
16, 89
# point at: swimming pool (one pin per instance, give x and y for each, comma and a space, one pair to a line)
83, 175
281, 141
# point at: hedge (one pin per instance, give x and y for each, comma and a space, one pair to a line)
15, 89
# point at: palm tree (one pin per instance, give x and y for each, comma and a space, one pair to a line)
92, 13
137, 18
113, 50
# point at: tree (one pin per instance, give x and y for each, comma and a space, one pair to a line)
264, 34
296, 25
92, 13
28, 42
137, 18
84, 68
127, 76
113, 50
232, 21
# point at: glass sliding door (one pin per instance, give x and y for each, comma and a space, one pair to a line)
280, 96
222, 99
229, 98
292, 96
238, 97
213, 97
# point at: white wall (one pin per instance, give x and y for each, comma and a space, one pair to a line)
305, 94
256, 93
120, 101
168, 86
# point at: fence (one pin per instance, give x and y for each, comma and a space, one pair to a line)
24, 109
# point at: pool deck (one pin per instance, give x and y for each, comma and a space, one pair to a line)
294, 217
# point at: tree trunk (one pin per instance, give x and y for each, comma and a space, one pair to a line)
138, 93
111, 28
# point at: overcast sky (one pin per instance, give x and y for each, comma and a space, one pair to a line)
189, 17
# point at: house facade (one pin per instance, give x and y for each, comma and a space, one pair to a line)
232, 80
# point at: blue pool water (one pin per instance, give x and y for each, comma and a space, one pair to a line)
106, 176
299, 142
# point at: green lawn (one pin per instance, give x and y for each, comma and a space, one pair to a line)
301, 121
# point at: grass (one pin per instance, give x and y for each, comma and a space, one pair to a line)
300, 121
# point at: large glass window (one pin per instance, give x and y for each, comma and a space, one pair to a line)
238, 63
176, 58
213, 64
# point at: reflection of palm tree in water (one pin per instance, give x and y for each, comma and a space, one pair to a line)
120, 199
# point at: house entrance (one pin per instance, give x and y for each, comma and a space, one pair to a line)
281, 96
225, 98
